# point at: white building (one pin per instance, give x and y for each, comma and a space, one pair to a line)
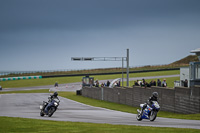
191, 73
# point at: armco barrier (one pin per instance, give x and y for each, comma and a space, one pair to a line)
19, 78
178, 100
109, 73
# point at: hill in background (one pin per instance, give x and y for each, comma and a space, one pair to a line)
186, 60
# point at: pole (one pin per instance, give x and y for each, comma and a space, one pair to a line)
102, 94
122, 72
127, 68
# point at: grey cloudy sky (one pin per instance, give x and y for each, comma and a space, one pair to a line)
45, 34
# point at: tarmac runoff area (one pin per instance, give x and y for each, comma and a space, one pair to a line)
27, 106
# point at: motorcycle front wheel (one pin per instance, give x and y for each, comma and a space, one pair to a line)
153, 115
51, 111
139, 116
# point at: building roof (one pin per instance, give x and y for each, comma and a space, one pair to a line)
195, 51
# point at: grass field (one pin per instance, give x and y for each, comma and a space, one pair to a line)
19, 125
61, 80
26, 91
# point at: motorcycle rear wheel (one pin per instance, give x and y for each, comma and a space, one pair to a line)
153, 115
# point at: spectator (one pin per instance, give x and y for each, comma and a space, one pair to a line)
151, 83
97, 83
108, 83
56, 84
136, 83
154, 83
115, 84
164, 83
139, 82
143, 83
118, 84
147, 84
158, 83
105, 84
186, 83
102, 84
91, 83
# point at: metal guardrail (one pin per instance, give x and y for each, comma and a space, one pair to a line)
110, 73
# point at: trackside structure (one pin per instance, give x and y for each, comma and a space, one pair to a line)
191, 73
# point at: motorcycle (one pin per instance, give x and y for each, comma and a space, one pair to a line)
149, 112
51, 109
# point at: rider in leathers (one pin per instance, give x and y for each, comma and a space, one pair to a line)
154, 97
51, 101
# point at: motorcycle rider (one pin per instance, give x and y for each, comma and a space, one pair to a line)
51, 101
154, 97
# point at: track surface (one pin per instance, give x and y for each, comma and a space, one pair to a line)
27, 106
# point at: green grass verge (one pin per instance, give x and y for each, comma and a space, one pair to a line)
19, 125
62, 80
26, 91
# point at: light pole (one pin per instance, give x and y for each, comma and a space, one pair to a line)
109, 59
127, 68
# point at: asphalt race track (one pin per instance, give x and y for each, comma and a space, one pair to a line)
27, 106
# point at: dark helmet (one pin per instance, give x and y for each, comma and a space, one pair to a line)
55, 94
155, 94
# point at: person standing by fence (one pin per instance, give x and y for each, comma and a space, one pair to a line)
164, 83
158, 83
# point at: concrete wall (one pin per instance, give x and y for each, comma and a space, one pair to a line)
177, 100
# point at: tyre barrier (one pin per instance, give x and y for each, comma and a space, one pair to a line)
20, 78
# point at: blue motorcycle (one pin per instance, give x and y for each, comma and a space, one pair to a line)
150, 112
51, 109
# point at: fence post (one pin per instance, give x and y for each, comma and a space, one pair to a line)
102, 94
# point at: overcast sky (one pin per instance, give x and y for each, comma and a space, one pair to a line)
45, 34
